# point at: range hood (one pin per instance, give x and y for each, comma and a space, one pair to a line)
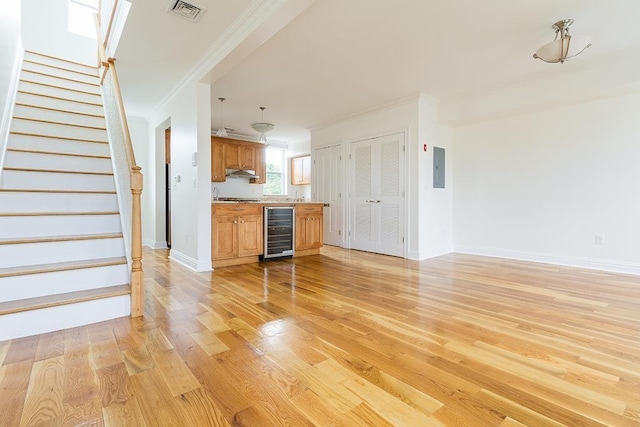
239, 173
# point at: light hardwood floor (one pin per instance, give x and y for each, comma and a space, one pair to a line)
344, 338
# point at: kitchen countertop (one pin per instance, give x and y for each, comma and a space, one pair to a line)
269, 202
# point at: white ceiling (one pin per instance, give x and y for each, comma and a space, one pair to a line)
339, 57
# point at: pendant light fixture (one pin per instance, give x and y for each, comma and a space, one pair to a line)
222, 131
263, 127
565, 46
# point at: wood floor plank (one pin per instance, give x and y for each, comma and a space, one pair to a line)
124, 414
174, 372
156, 403
44, 400
81, 400
14, 382
344, 338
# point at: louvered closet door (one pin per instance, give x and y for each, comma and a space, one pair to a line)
377, 195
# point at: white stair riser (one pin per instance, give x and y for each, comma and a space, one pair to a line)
62, 131
43, 101
63, 317
56, 181
60, 145
61, 282
18, 159
51, 252
37, 62
58, 225
69, 83
54, 91
11, 202
57, 116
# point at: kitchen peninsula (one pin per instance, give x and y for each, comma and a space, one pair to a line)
237, 230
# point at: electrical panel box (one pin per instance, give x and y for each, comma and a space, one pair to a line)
438, 167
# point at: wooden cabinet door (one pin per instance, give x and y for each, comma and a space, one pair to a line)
261, 166
247, 153
224, 242
301, 170
306, 170
250, 235
315, 231
218, 173
232, 155
301, 233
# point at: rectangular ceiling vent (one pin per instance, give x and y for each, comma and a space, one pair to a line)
189, 11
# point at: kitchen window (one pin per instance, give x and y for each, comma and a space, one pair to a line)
275, 185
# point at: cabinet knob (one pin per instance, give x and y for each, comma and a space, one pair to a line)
235, 222
242, 221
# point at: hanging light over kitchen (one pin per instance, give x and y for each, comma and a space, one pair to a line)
262, 127
222, 131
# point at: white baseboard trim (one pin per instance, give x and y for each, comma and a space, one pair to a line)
568, 261
182, 259
204, 266
154, 245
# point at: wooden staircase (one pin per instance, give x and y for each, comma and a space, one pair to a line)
62, 254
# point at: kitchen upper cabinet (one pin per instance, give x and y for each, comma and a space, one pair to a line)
301, 170
236, 231
234, 154
309, 227
261, 165
241, 155
218, 172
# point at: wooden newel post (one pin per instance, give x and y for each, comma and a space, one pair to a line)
137, 275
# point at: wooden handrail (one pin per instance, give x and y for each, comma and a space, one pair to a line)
135, 174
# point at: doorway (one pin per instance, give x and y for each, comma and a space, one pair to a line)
167, 184
377, 195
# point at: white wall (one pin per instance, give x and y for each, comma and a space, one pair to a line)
541, 186
44, 30
426, 208
139, 130
435, 204
10, 55
188, 114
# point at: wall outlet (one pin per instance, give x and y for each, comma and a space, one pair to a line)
599, 239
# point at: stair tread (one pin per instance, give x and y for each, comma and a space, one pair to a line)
64, 138
59, 110
61, 266
84, 92
67, 213
55, 122
51, 239
59, 98
57, 153
38, 190
48, 301
70, 70
60, 59
57, 171
40, 73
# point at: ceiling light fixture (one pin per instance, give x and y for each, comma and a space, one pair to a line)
222, 131
262, 127
564, 48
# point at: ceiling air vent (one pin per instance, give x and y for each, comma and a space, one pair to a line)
189, 11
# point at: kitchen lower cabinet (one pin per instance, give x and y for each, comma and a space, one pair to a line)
309, 228
237, 233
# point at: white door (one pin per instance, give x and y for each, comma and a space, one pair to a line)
327, 187
376, 195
